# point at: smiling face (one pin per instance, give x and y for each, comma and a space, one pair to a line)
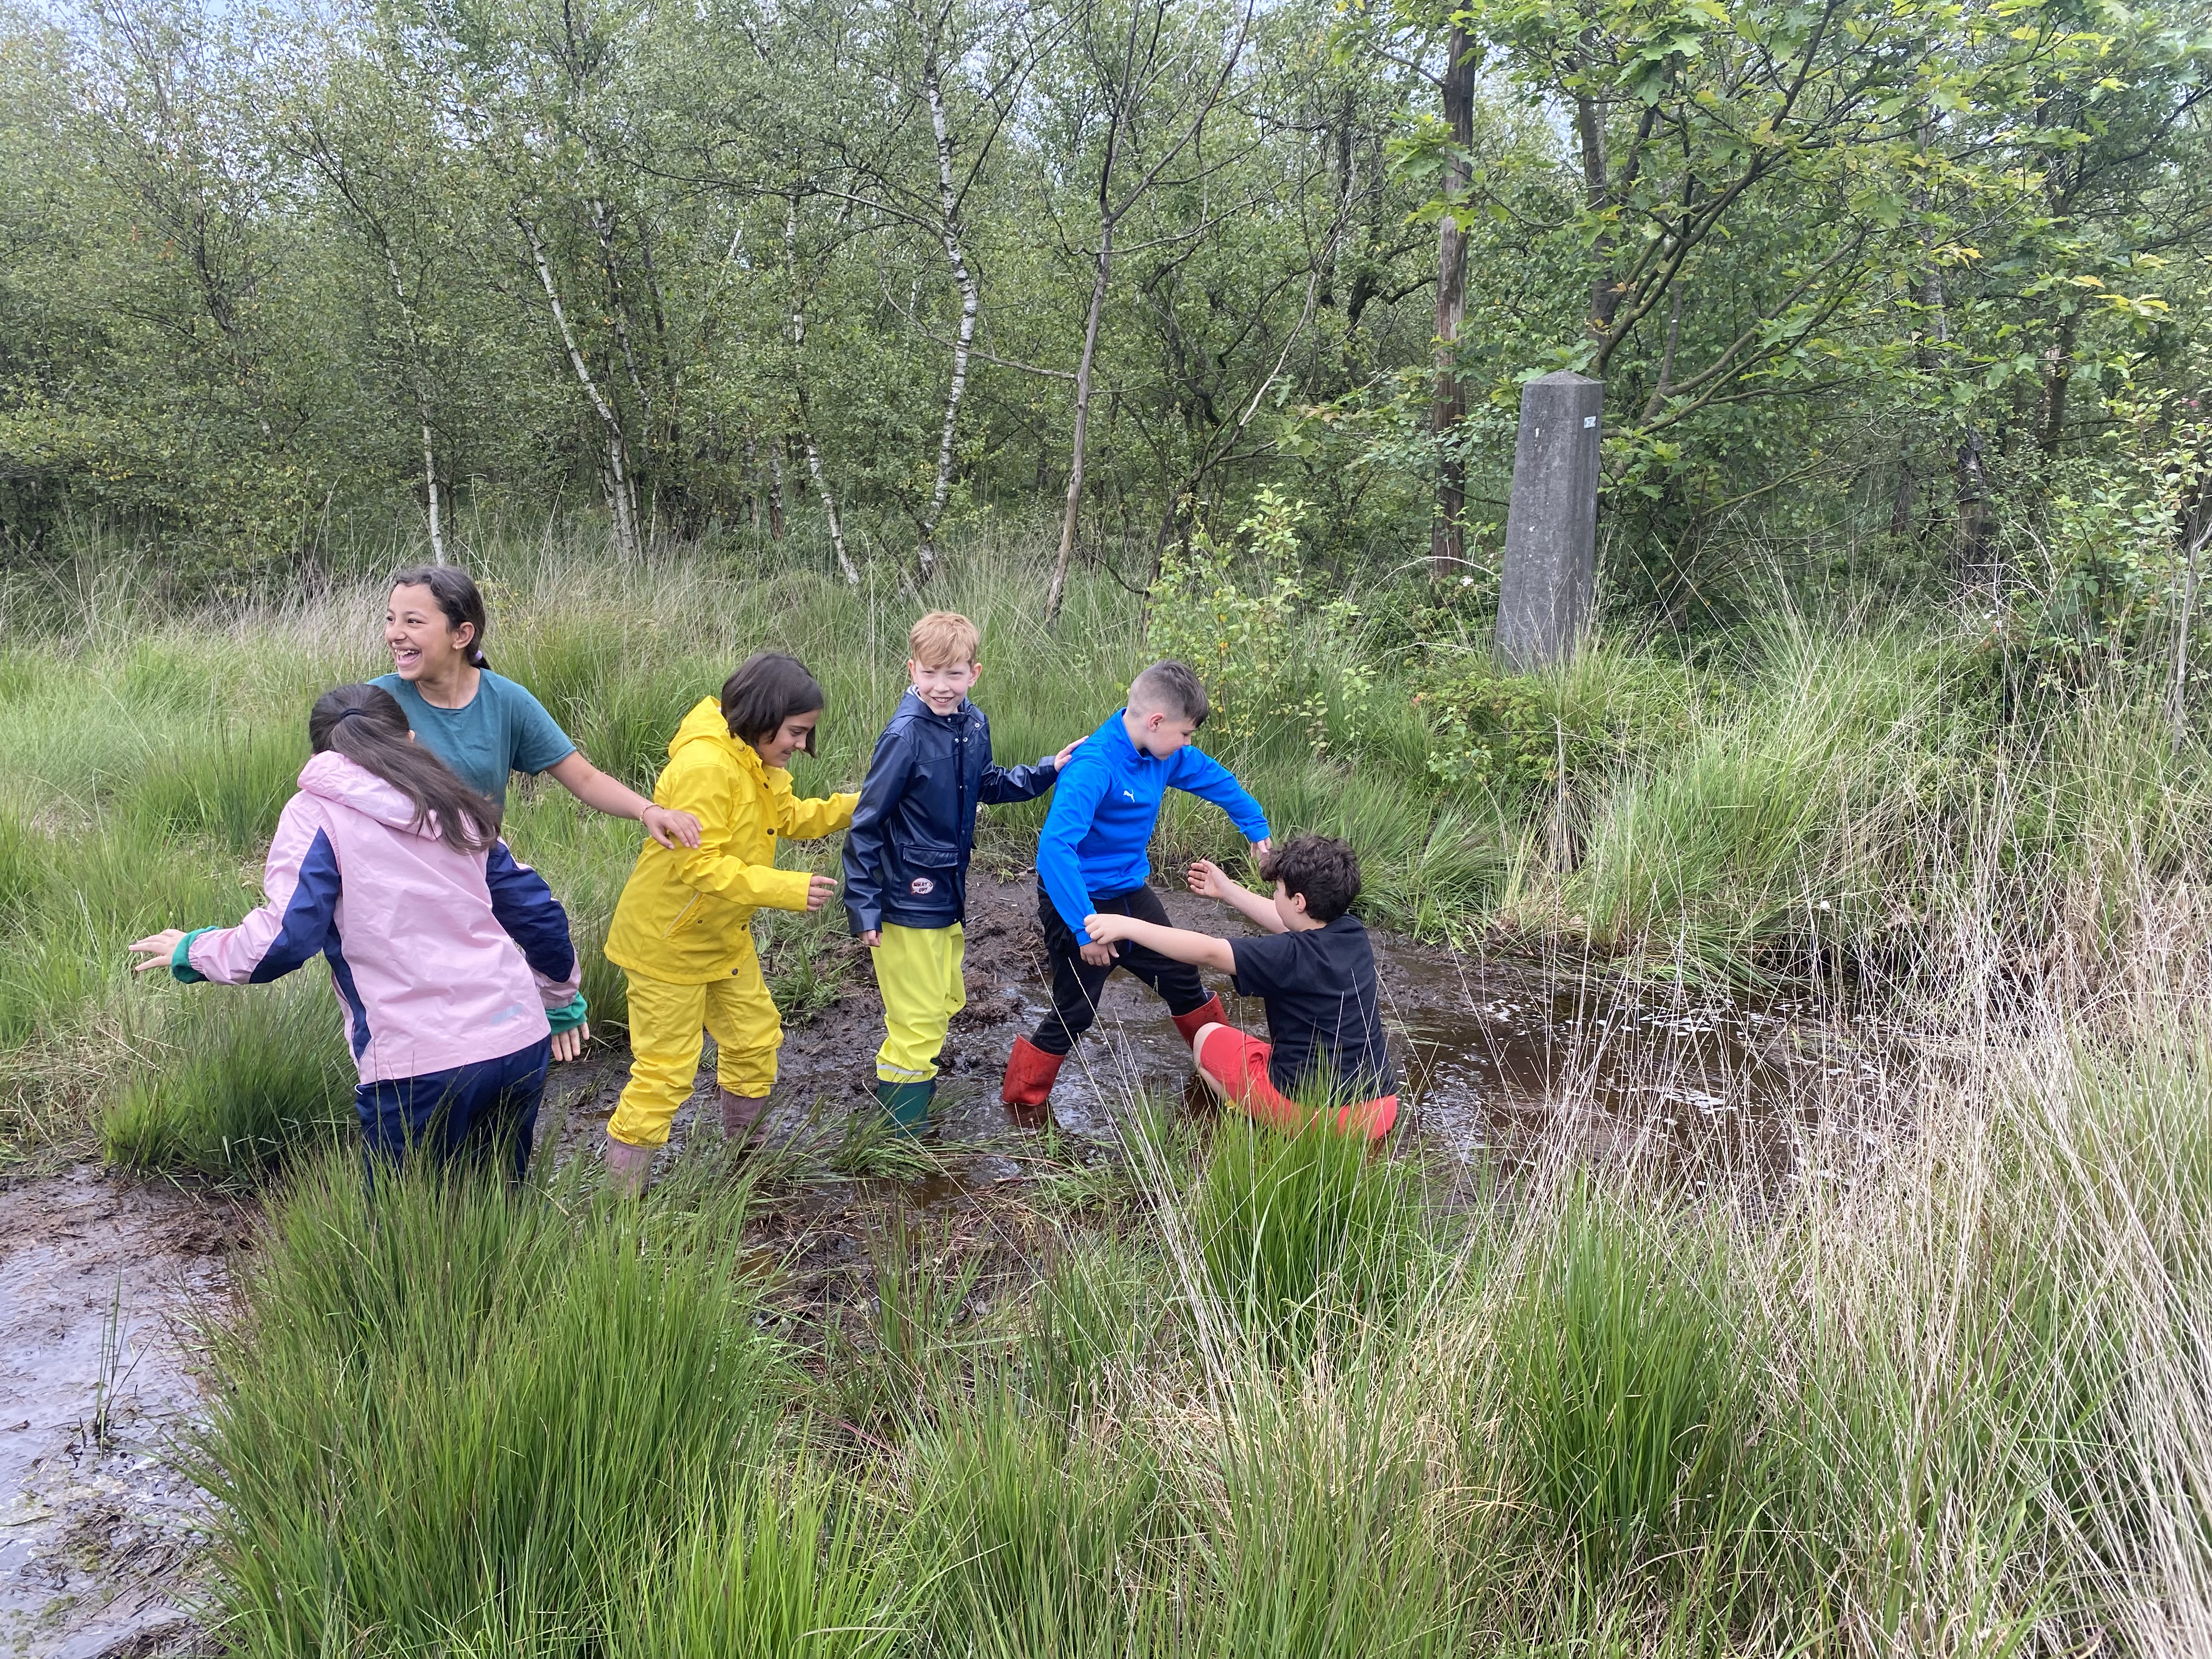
424, 644
777, 748
943, 686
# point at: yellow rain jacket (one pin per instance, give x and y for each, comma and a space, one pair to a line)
685, 915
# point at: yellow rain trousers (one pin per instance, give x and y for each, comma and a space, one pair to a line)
918, 971
683, 930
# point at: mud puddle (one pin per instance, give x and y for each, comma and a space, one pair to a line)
97, 1527
1498, 1067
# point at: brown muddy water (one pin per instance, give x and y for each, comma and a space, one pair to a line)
1501, 1066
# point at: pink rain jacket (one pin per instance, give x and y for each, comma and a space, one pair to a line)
438, 959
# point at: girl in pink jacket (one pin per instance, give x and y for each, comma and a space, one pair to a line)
451, 961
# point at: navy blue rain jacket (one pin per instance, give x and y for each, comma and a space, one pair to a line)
906, 854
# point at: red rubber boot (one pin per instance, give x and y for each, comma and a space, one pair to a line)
1209, 1012
1030, 1074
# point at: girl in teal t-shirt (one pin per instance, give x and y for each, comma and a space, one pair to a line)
481, 724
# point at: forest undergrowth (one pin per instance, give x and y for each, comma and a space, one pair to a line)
1942, 1393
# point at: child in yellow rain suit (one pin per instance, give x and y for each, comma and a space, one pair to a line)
683, 930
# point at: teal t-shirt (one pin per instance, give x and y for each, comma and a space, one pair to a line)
502, 729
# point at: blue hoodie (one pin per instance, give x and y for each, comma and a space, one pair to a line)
906, 854
1104, 811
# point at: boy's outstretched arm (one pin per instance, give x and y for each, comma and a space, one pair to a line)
1210, 880
1177, 943
1198, 774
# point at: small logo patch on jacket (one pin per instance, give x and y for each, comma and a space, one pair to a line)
920, 886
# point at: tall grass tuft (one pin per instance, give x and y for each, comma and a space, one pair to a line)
1623, 1375
1031, 1542
1292, 1229
447, 1415
258, 1077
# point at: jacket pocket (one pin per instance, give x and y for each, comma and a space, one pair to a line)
687, 917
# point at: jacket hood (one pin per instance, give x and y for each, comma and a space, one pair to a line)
331, 776
704, 724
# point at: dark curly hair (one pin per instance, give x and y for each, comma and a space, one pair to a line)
1319, 869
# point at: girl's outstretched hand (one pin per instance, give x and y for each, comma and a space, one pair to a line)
670, 826
818, 890
569, 1044
161, 947
1209, 880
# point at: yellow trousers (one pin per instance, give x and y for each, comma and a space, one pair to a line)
918, 971
665, 1022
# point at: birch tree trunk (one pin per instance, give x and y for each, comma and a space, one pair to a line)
971, 306
418, 376
1447, 404
814, 467
620, 500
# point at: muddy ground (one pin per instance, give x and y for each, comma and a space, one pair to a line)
102, 1277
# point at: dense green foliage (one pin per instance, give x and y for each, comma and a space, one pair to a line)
1905, 296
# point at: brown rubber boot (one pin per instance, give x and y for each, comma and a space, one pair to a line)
627, 1166
741, 1116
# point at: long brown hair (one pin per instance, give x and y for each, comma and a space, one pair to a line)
456, 596
366, 724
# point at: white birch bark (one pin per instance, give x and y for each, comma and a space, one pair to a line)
619, 499
814, 466
971, 305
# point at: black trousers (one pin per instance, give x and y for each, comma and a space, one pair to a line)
1076, 984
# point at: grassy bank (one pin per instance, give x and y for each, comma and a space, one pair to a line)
1941, 1392
1850, 802
1949, 1399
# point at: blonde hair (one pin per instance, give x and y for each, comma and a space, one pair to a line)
943, 637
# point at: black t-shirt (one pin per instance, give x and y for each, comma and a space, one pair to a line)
1324, 1010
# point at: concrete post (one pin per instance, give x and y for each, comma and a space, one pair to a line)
1551, 523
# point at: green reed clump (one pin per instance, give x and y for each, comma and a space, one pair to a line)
250, 1078
448, 1414
1623, 1376
1032, 1543
231, 790
802, 1566
1292, 1228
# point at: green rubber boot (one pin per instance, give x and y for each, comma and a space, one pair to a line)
907, 1103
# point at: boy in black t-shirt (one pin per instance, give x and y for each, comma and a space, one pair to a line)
1314, 971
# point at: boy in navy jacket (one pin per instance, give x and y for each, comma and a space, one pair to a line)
1091, 861
906, 854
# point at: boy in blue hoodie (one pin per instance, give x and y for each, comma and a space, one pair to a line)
1091, 861
906, 854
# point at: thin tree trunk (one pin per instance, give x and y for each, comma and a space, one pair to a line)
619, 498
2058, 376
1973, 515
814, 466
1058, 590
779, 494
1448, 403
417, 377
971, 306
2177, 695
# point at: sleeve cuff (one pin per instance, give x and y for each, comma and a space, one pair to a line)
568, 1018
181, 959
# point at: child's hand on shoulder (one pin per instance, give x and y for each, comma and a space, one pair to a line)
1061, 759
